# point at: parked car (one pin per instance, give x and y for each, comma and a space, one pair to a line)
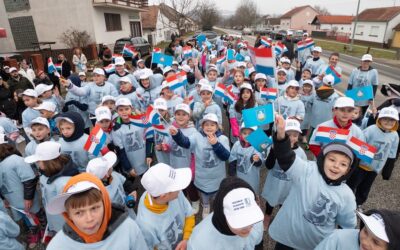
140, 44
247, 31
297, 35
278, 35
211, 35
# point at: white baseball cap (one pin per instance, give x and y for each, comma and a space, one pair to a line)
45, 151
206, 87
308, 69
241, 209
119, 61
139, 61
146, 74
241, 64
209, 117
212, 69
343, 102
161, 179
317, 49
103, 113
100, 166
285, 60
164, 85
251, 71
41, 88
293, 83
203, 81
40, 120
13, 69
160, 104
243, 126
81, 73
125, 79
305, 34
57, 205
107, 98
389, 112
260, 76
292, 125
30, 92
167, 69
184, 107
123, 102
308, 81
98, 71
175, 63
375, 224
328, 80
186, 68
246, 85
49, 106
281, 70
366, 57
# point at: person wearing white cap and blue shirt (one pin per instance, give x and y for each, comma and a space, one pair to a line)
236, 222
140, 69
30, 99
94, 91
304, 54
286, 64
281, 81
379, 230
289, 104
120, 72
207, 105
160, 139
46, 94
333, 62
149, 88
164, 215
364, 75
170, 97
127, 90
315, 62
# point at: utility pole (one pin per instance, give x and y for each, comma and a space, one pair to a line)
354, 28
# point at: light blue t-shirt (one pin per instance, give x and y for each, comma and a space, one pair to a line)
321, 110
28, 115
83, 100
359, 78
289, 107
75, 149
307, 101
341, 239
115, 78
180, 157
164, 231
9, 231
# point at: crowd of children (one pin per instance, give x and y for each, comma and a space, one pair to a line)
145, 186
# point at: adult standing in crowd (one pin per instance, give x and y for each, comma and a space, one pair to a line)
26, 71
79, 60
65, 66
288, 42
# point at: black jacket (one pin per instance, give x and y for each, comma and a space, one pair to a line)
7, 103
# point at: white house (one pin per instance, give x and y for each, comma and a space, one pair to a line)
335, 23
376, 25
31, 21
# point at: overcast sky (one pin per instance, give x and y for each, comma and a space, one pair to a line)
344, 7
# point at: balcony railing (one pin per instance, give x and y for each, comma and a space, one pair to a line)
122, 3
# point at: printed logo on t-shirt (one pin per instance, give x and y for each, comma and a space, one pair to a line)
209, 158
176, 150
172, 236
382, 147
280, 174
285, 111
241, 163
132, 141
323, 212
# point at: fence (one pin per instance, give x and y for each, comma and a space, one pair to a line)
337, 36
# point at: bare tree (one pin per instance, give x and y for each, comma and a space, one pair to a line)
74, 38
322, 10
246, 13
207, 14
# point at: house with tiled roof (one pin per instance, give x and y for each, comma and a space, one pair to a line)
377, 25
299, 18
337, 23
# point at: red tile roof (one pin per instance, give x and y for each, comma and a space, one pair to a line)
334, 19
149, 18
294, 11
379, 14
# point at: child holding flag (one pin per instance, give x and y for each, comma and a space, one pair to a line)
170, 97
307, 95
161, 135
56, 169
383, 136
206, 105
289, 105
211, 150
319, 199
127, 90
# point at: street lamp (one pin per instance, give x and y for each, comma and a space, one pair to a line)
354, 28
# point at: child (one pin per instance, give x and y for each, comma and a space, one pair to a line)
160, 139
133, 152
282, 80
378, 230
127, 90
307, 96
289, 105
45, 93
94, 91
211, 150
149, 89
169, 96
246, 101
109, 102
315, 62
164, 214
286, 64
238, 80
278, 183
235, 222
121, 72
29, 97
18, 186
245, 161
343, 110
323, 102
9, 231
56, 169
48, 110
91, 220
357, 117
301, 76
383, 136
260, 83
319, 200
206, 105
104, 119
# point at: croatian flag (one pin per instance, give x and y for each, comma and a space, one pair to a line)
361, 94
109, 69
51, 68
191, 102
139, 120
221, 59
331, 71
230, 97
152, 115
115, 56
177, 80
328, 134
265, 61
187, 51
280, 48
96, 141
220, 90
156, 50
269, 93
363, 150
309, 42
161, 129
267, 42
149, 133
129, 51
58, 66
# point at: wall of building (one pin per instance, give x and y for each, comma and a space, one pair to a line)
364, 31
346, 28
302, 20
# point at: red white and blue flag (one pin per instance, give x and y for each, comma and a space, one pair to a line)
221, 59
269, 93
139, 120
177, 80
308, 43
280, 48
328, 134
161, 129
58, 67
220, 90
187, 51
96, 141
109, 69
116, 55
51, 68
265, 61
30, 219
152, 116
363, 150
230, 97
149, 133
191, 102
129, 51
267, 42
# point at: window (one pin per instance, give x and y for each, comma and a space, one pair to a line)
360, 30
16, 5
374, 31
113, 21
24, 32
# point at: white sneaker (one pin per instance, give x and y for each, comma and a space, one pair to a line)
206, 211
196, 206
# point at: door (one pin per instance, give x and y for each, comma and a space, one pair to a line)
150, 39
135, 29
